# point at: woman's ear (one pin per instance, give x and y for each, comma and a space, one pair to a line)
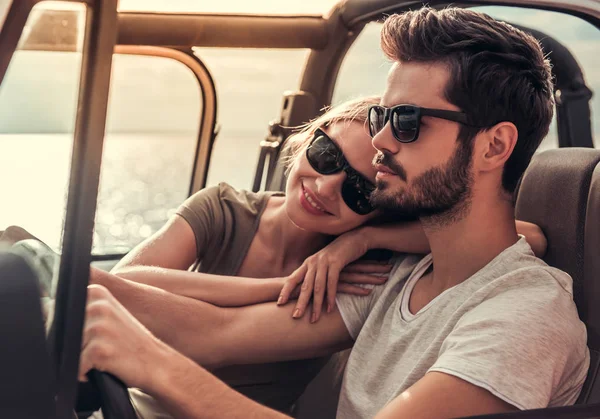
496, 145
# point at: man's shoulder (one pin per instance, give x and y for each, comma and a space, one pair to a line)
533, 278
532, 295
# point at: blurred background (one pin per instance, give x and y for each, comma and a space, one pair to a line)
156, 106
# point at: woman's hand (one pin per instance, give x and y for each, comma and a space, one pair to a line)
330, 270
534, 236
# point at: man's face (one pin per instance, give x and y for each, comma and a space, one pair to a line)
431, 175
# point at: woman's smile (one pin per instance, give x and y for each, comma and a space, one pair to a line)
310, 203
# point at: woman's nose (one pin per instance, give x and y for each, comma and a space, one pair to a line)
330, 186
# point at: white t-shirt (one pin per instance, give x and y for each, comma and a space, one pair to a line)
512, 328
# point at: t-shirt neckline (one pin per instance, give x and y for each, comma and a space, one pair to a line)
420, 270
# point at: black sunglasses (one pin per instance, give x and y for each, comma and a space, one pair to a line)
326, 158
405, 120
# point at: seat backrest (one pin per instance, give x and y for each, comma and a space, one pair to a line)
560, 192
591, 286
26, 388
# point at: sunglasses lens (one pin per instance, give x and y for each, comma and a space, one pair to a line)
376, 119
356, 198
323, 155
326, 158
405, 121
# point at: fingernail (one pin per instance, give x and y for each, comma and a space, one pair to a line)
313, 318
280, 300
296, 313
328, 307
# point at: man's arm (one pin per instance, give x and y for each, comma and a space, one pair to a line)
453, 398
215, 336
114, 341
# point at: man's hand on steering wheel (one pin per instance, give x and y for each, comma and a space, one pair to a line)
116, 342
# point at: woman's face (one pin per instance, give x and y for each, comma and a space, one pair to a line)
314, 201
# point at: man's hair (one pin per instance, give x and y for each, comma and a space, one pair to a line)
355, 110
497, 73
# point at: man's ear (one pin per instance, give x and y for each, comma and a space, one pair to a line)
496, 145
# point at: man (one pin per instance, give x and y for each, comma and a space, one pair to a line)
480, 325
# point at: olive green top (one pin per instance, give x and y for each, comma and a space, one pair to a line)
224, 221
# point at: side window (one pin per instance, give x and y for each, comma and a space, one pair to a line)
38, 100
365, 67
154, 114
153, 122
250, 85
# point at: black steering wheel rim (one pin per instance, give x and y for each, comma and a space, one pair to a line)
115, 400
114, 396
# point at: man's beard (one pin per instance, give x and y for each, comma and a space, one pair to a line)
441, 193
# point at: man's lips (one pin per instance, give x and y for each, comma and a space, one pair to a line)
384, 170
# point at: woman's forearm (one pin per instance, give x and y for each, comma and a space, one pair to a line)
534, 236
411, 238
402, 237
220, 290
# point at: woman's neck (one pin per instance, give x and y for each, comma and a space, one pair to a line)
293, 243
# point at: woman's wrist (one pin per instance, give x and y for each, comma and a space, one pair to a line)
366, 236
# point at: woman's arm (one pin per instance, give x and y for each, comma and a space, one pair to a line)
163, 259
410, 237
321, 272
219, 290
173, 247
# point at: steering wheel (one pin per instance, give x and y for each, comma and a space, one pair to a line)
115, 401
114, 396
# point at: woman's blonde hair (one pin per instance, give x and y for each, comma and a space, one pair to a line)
355, 110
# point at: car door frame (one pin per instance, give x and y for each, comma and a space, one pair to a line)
99, 41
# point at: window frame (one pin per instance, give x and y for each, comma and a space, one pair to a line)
207, 119
99, 41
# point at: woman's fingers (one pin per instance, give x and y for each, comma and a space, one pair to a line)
321, 281
290, 285
332, 287
353, 289
306, 291
356, 278
369, 267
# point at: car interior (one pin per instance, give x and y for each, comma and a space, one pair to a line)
102, 40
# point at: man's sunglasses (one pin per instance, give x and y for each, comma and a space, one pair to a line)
326, 158
405, 120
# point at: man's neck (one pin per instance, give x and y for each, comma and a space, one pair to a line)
462, 247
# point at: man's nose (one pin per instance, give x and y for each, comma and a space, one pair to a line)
329, 186
384, 140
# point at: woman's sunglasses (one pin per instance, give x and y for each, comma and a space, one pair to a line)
326, 158
405, 120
